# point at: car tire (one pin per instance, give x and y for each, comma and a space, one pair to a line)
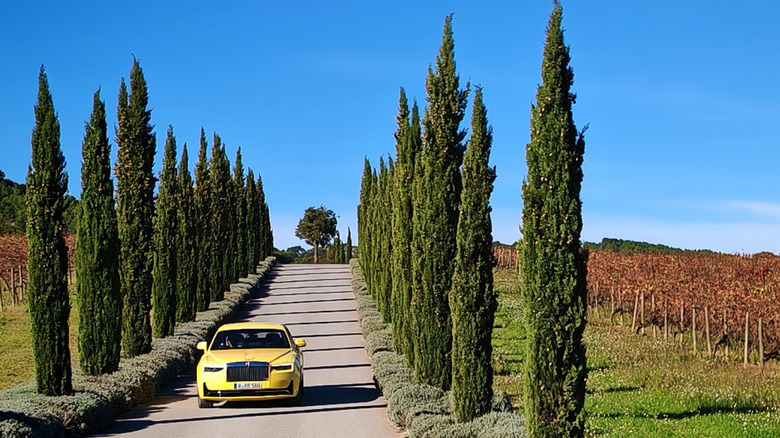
298, 399
205, 404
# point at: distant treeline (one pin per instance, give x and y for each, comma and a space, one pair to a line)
13, 214
620, 245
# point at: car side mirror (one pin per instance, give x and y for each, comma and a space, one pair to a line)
300, 342
201, 345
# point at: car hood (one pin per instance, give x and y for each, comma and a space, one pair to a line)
269, 355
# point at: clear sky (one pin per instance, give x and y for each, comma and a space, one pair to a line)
683, 146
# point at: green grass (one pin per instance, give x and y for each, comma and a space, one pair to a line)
16, 352
644, 387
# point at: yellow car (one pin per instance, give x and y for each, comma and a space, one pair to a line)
250, 361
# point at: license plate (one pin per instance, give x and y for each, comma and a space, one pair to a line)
256, 385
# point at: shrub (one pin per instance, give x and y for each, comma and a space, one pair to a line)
380, 340
416, 399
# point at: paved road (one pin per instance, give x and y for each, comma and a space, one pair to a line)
316, 302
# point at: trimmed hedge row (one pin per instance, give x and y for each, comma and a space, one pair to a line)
98, 399
424, 410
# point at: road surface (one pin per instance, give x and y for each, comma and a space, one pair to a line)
340, 400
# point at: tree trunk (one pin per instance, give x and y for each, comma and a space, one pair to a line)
316, 253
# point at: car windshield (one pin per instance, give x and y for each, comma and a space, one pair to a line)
250, 338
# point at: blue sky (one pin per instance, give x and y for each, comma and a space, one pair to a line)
682, 149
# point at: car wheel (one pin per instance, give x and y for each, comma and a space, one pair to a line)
296, 401
205, 404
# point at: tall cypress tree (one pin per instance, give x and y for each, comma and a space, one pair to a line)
241, 214
348, 248
252, 218
97, 253
472, 300
186, 247
363, 218
203, 235
382, 246
220, 216
47, 259
438, 216
135, 211
553, 271
164, 282
401, 226
266, 241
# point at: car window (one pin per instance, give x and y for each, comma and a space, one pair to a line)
250, 338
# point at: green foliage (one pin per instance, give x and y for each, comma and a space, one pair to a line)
164, 272
263, 226
382, 245
348, 247
620, 245
47, 261
13, 211
186, 247
203, 232
252, 223
135, 211
408, 142
552, 267
221, 216
241, 217
436, 210
363, 209
473, 301
97, 254
316, 228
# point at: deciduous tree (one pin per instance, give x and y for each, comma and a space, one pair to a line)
316, 228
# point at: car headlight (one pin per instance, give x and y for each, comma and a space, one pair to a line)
282, 367
212, 369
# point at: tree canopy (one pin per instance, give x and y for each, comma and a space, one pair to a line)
317, 227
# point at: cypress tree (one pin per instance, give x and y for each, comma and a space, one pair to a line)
552, 269
363, 219
334, 252
241, 214
438, 215
401, 226
47, 259
252, 228
266, 241
186, 248
164, 284
203, 235
348, 248
382, 216
135, 211
97, 253
221, 217
372, 279
472, 300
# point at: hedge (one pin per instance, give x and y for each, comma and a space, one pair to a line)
98, 399
425, 411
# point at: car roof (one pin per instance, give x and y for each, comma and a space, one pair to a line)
251, 325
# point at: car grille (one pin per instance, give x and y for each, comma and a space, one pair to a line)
247, 371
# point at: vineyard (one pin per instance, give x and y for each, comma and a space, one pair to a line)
13, 266
721, 304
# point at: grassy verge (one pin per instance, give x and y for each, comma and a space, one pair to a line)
16, 351
644, 387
